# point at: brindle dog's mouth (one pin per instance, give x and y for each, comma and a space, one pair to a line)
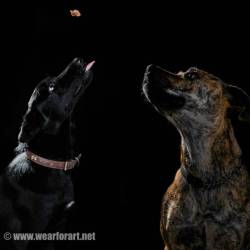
166, 99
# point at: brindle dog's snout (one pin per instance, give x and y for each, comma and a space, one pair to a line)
162, 77
158, 86
153, 74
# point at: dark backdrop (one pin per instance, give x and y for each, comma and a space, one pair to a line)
130, 152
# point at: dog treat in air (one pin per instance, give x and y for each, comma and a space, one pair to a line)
75, 13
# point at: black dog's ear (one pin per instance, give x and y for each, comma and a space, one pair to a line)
239, 101
52, 127
32, 123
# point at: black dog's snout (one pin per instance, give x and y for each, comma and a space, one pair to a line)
78, 61
76, 67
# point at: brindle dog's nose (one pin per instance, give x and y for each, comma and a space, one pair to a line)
150, 68
153, 72
149, 71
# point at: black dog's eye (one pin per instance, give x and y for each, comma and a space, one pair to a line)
51, 87
192, 75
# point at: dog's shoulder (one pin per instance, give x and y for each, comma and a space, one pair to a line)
176, 189
174, 193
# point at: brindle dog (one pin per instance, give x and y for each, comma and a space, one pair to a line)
208, 204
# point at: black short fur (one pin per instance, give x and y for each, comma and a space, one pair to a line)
35, 198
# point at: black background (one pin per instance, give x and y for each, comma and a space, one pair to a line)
130, 152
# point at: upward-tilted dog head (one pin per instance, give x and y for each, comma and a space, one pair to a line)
193, 98
54, 99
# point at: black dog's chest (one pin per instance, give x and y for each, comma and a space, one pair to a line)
36, 205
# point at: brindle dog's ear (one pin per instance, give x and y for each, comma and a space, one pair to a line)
240, 102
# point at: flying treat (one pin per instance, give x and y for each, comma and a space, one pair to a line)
75, 13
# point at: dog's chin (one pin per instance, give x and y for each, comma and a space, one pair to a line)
164, 100
80, 71
87, 79
79, 90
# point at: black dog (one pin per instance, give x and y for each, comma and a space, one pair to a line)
35, 190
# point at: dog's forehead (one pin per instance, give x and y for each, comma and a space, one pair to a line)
39, 89
189, 70
207, 74
202, 74
206, 79
212, 82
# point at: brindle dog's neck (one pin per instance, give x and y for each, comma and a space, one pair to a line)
211, 156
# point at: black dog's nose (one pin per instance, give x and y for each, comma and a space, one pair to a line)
78, 61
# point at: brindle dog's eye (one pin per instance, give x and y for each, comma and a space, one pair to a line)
191, 76
51, 87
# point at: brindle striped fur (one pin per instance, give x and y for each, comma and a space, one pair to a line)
192, 218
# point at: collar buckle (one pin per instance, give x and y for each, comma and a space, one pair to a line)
66, 166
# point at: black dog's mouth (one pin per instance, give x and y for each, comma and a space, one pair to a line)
159, 90
89, 66
86, 70
76, 69
78, 90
